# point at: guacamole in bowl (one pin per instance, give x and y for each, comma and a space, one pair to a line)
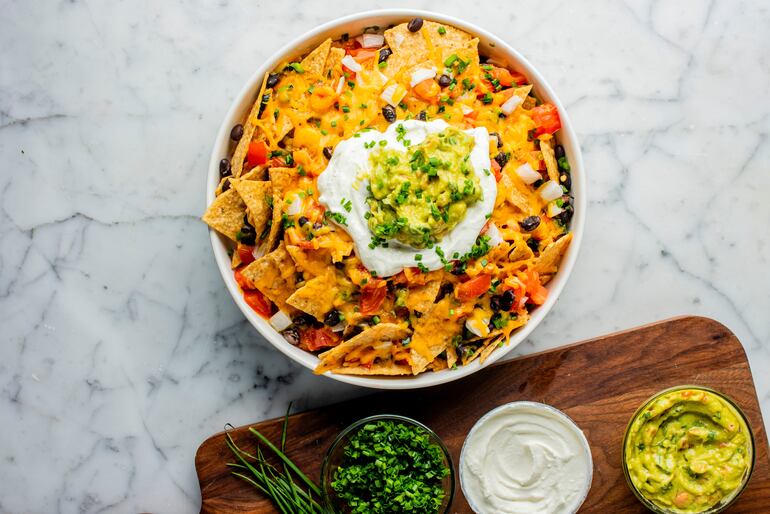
688, 449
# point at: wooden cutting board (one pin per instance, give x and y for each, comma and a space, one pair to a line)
599, 383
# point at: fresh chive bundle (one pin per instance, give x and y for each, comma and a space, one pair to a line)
288, 496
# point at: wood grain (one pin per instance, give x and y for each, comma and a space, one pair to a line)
599, 383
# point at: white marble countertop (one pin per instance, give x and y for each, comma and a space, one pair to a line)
120, 349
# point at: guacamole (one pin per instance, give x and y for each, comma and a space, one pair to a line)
687, 450
418, 195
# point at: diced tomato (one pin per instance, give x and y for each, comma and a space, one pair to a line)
428, 89
316, 338
496, 169
258, 302
242, 281
535, 291
473, 288
546, 119
257, 153
246, 254
362, 54
372, 295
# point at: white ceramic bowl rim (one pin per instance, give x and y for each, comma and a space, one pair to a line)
491, 45
537, 406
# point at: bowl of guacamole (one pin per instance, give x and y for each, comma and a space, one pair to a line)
688, 450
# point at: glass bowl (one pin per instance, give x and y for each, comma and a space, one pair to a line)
335, 454
724, 502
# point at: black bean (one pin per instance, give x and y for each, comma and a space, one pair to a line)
389, 113
559, 151
224, 168
304, 320
499, 141
533, 244
248, 236
506, 300
444, 80
446, 289
494, 303
537, 183
502, 159
530, 223
272, 80
566, 180
339, 265
302, 220
414, 24
423, 116
384, 54
237, 132
332, 318
226, 185
317, 226
291, 334
328, 151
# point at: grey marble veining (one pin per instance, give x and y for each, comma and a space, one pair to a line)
120, 349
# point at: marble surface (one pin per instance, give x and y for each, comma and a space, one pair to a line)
120, 349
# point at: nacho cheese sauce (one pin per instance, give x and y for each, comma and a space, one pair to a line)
525, 458
343, 191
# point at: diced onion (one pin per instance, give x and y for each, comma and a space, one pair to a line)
339, 327
466, 109
421, 74
371, 40
258, 252
551, 191
528, 174
393, 94
351, 64
478, 327
510, 105
494, 235
553, 210
295, 206
280, 321
340, 85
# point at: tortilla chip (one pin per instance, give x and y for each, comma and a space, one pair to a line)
389, 369
551, 256
490, 347
438, 364
317, 296
433, 334
451, 356
383, 332
411, 48
255, 195
283, 179
314, 63
249, 126
333, 67
421, 298
225, 214
275, 223
546, 147
275, 276
235, 259
257, 173
520, 252
314, 262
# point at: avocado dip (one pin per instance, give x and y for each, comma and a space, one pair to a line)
418, 195
688, 450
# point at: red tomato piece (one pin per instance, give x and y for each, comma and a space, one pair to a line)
496, 169
257, 153
546, 118
372, 295
316, 338
246, 254
535, 290
362, 54
258, 302
473, 288
242, 281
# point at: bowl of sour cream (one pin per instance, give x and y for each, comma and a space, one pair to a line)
525, 458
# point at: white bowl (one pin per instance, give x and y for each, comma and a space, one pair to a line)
489, 45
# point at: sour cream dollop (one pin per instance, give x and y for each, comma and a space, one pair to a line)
525, 458
342, 187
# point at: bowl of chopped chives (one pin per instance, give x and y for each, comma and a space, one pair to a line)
387, 463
